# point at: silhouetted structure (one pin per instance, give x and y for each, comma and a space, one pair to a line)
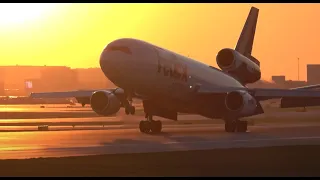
33, 85
59, 78
313, 73
279, 79
22, 80
92, 78
14, 77
294, 84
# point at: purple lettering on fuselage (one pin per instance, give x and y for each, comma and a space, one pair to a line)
175, 71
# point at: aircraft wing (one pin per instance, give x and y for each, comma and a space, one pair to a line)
79, 93
66, 94
259, 93
280, 93
315, 86
264, 94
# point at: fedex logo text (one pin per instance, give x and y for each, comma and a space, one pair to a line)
176, 71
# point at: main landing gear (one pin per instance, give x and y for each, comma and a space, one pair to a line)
236, 126
129, 108
150, 125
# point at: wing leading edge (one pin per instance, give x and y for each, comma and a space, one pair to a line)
264, 94
66, 94
80, 93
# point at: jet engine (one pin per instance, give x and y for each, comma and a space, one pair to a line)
245, 69
105, 103
241, 103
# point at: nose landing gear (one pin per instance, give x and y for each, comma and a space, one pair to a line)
146, 126
129, 108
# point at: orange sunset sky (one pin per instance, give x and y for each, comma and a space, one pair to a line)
75, 34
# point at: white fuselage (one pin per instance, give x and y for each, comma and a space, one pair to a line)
135, 64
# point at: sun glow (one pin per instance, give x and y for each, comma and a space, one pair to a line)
17, 13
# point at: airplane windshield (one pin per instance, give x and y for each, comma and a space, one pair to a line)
119, 48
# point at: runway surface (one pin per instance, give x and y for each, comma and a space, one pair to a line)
120, 134
127, 139
52, 111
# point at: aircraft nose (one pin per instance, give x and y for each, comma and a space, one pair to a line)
106, 60
114, 60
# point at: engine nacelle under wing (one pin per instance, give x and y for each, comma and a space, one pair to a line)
241, 103
245, 69
105, 103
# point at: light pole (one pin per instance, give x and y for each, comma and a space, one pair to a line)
298, 70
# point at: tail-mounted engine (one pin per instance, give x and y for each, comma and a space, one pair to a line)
245, 69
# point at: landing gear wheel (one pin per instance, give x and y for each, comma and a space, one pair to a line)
150, 126
230, 126
130, 110
127, 111
144, 126
156, 126
242, 126
236, 126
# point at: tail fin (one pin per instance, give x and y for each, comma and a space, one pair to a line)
245, 42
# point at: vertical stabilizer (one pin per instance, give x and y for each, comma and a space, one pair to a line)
245, 42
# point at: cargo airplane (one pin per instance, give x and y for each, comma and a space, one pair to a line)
169, 83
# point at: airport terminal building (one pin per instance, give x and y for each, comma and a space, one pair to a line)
22, 80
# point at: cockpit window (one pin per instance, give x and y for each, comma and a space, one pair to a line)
119, 48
